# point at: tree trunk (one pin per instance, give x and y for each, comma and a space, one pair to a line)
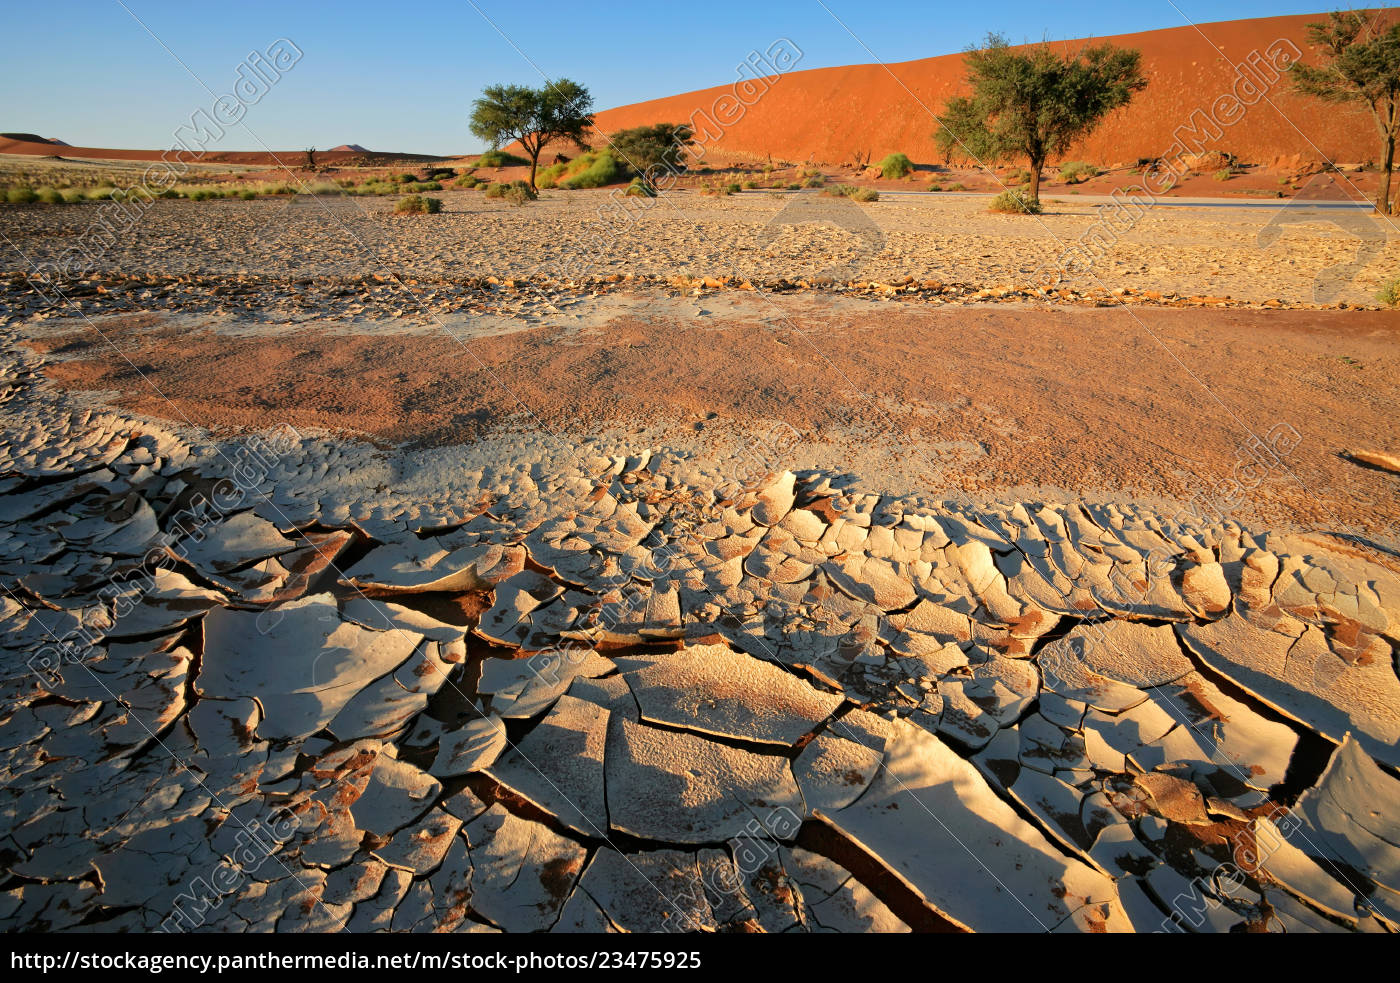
534, 165
1035, 178
1383, 202
1388, 132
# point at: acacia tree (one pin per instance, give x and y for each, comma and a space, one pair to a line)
1034, 102
648, 150
1362, 65
560, 109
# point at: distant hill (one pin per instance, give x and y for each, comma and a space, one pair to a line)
32, 138
826, 114
28, 143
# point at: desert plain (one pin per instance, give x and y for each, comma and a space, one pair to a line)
515, 597
765, 561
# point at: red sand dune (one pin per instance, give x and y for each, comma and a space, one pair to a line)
825, 114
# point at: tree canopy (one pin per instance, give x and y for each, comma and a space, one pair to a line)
1361, 64
1035, 102
560, 109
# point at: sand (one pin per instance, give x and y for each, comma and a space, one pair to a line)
1191, 251
962, 401
826, 114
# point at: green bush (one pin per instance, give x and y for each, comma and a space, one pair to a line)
548, 177
895, 166
508, 190
718, 188
935, 186
653, 152
750, 185
639, 189
467, 181
601, 171
50, 196
1389, 294
1016, 203
499, 158
418, 205
247, 195
72, 195
21, 196
1223, 174
519, 193
1077, 172
377, 188
814, 182
865, 194
957, 186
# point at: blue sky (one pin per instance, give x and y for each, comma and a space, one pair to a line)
381, 75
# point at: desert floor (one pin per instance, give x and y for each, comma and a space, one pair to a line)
1251, 253
539, 568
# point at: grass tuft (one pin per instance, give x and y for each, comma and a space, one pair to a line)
520, 193
852, 192
1389, 294
1016, 203
418, 205
1077, 172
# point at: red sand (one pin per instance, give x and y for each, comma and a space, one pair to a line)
1067, 397
825, 114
